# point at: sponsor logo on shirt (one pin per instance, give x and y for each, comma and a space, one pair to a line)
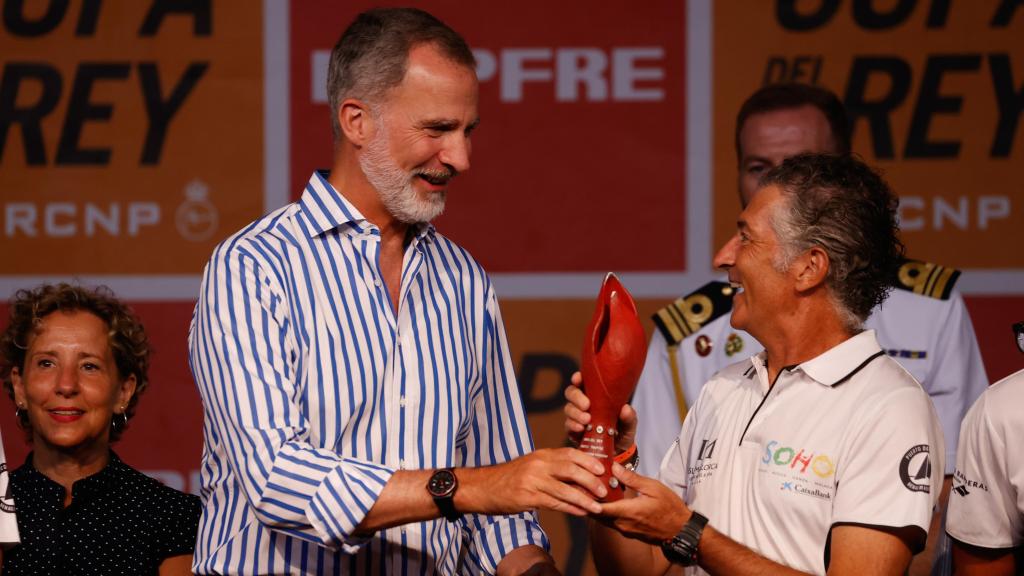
800, 471
803, 490
6, 498
704, 468
798, 459
962, 484
916, 469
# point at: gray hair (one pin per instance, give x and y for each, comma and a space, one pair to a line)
838, 203
371, 55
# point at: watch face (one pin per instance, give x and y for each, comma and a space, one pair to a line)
442, 483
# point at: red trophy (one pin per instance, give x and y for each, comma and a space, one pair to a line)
613, 357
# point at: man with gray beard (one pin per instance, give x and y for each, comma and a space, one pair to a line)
361, 413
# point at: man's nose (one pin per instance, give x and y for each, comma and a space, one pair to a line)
726, 255
456, 152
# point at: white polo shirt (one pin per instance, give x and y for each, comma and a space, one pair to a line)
986, 506
847, 437
8, 521
932, 338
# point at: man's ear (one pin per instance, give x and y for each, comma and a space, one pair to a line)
811, 268
356, 121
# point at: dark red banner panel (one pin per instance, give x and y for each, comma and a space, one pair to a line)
578, 164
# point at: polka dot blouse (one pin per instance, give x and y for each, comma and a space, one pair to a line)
120, 521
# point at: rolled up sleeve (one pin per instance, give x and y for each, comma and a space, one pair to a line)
243, 353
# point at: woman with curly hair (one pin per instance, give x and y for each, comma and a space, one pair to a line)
75, 361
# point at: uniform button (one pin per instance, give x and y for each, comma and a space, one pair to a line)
403, 529
401, 401
401, 464
376, 282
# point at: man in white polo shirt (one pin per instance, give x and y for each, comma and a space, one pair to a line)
820, 452
923, 324
986, 508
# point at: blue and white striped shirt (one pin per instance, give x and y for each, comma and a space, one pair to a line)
315, 391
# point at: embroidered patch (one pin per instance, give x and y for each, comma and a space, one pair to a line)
733, 344
703, 345
916, 469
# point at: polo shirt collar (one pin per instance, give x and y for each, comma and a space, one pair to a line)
327, 209
840, 362
832, 367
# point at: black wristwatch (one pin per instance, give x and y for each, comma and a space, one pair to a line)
442, 486
682, 549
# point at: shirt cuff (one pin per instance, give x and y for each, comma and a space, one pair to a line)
343, 499
500, 535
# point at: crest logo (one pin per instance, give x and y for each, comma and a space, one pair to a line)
916, 469
707, 448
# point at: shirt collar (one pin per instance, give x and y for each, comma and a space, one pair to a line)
832, 367
840, 362
83, 489
327, 209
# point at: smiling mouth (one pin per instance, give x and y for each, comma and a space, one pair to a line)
434, 181
66, 414
436, 178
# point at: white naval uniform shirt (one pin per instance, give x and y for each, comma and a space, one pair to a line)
847, 437
986, 506
8, 521
932, 338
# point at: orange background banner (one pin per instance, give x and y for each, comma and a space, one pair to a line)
934, 92
133, 135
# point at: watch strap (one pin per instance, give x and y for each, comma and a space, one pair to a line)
682, 549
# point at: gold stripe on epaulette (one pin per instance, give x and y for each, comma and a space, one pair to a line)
690, 313
669, 323
927, 279
680, 319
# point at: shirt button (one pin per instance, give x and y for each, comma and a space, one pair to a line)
376, 282
401, 401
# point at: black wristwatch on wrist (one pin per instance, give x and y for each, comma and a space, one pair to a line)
442, 486
682, 549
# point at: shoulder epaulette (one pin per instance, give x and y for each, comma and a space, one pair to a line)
694, 311
926, 279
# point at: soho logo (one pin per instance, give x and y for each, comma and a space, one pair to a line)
820, 464
578, 74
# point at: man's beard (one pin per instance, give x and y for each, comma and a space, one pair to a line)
395, 185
